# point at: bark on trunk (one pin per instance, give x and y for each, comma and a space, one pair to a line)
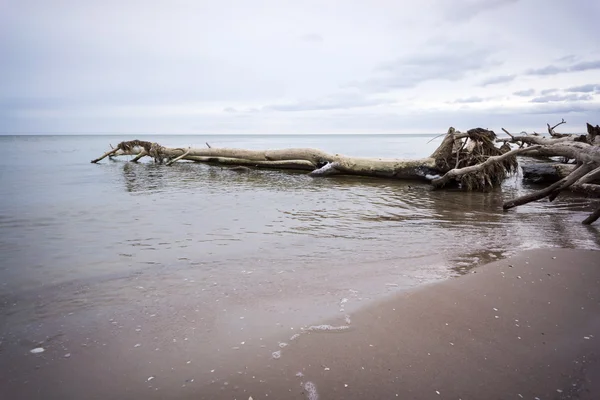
469, 159
295, 158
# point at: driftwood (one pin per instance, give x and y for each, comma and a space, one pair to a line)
583, 149
544, 170
470, 160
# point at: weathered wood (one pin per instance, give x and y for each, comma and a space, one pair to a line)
551, 129
543, 171
470, 159
491, 161
302, 165
592, 218
178, 157
550, 190
295, 158
142, 154
103, 156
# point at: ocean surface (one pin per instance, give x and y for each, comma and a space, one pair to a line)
77, 237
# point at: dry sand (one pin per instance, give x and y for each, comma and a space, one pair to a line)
524, 327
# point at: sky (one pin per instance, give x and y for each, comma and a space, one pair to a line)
297, 67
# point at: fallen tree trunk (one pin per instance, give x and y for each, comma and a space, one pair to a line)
547, 171
581, 148
470, 160
296, 158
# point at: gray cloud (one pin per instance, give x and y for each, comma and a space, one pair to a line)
548, 91
338, 101
498, 79
577, 67
589, 88
525, 93
547, 70
117, 66
473, 99
567, 58
449, 62
561, 109
312, 38
562, 97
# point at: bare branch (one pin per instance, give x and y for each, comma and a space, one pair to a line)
508, 133
551, 129
551, 190
590, 177
103, 156
179, 157
592, 218
458, 153
142, 153
455, 173
440, 135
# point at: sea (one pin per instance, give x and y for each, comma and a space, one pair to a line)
115, 238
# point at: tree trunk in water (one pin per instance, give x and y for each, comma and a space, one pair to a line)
470, 160
305, 159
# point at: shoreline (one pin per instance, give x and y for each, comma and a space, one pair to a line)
524, 327
498, 332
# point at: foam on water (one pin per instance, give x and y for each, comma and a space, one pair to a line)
311, 391
276, 354
327, 328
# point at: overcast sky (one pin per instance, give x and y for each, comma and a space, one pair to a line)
304, 66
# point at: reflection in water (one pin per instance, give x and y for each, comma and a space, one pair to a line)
287, 204
117, 220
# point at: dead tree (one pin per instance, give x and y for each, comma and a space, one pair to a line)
469, 160
585, 177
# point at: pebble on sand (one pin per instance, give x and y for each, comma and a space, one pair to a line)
37, 350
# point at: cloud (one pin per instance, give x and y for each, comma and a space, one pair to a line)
547, 70
498, 79
559, 109
119, 67
577, 67
473, 99
567, 58
562, 97
338, 101
589, 88
548, 91
466, 10
448, 62
585, 66
312, 38
525, 93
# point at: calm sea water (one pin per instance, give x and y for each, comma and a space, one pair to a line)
66, 223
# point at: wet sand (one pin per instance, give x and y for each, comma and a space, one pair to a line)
523, 327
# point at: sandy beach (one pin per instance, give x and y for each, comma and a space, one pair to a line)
523, 327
